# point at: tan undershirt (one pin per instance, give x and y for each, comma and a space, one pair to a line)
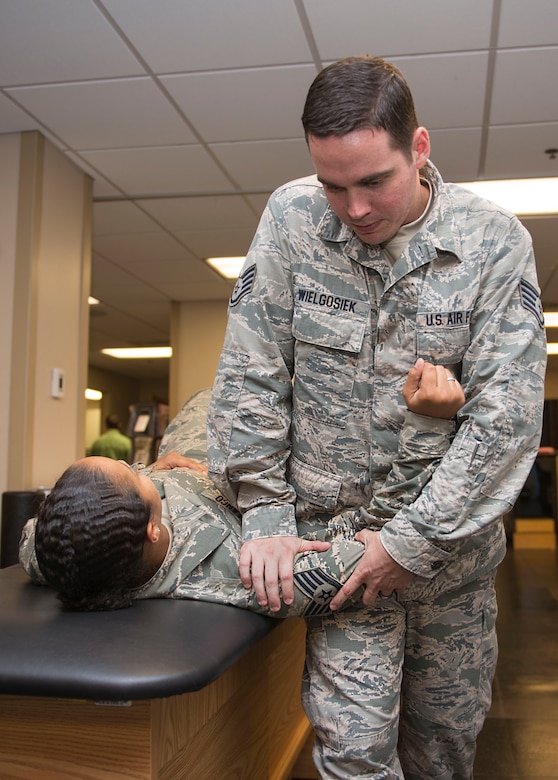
397, 245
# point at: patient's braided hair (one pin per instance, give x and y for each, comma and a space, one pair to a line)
89, 539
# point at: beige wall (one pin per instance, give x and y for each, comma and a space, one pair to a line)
48, 267
197, 333
9, 187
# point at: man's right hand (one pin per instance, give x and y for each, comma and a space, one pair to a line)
267, 566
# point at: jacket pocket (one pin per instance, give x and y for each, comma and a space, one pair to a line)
443, 337
328, 344
315, 489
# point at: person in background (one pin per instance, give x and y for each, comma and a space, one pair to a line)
113, 443
108, 533
352, 275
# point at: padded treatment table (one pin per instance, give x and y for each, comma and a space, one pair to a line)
165, 689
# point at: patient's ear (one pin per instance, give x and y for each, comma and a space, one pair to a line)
152, 532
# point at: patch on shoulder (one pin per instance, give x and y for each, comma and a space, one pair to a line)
531, 300
244, 285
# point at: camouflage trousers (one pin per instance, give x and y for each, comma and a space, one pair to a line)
401, 690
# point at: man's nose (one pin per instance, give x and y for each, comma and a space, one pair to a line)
357, 206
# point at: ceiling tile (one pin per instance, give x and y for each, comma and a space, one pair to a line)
114, 217
543, 233
101, 187
259, 202
139, 113
460, 78
129, 248
163, 273
265, 164
211, 290
518, 152
164, 170
14, 119
525, 86
174, 35
218, 243
257, 103
456, 153
60, 40
397, 27
108, 280
203, 213
533, 23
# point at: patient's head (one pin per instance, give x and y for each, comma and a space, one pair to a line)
93, 530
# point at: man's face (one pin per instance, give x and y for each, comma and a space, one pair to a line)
373, 188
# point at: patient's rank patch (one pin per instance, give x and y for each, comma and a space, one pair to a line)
319, 587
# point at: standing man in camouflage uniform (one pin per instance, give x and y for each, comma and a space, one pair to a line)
352, 276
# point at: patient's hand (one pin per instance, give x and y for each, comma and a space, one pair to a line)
173, 460
433, 390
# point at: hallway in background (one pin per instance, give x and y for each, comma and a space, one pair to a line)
520, 736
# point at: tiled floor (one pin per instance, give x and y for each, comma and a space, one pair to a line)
519, 740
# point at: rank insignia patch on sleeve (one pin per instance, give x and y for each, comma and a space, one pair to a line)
243, 285
531, 300
319, 587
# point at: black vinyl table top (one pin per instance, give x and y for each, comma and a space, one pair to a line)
156, 648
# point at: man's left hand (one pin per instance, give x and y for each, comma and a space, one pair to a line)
377, 571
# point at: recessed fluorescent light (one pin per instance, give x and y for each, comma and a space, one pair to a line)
551, 319
228, 267
138, 352
552, 348
93, 395
93, 301
520, 196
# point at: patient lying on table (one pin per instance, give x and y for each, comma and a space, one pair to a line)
108, 533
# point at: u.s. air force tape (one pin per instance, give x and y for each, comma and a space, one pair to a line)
243, 285
531, 300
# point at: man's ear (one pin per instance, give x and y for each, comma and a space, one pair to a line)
421, 147
152, 532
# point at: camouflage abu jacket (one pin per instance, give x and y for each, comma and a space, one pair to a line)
307, 406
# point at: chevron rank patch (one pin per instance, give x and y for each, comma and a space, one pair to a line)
531, 300
320, 589
244, 285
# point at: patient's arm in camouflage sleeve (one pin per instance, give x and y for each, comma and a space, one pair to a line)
319, 575
186, 433
423, 442
27, 556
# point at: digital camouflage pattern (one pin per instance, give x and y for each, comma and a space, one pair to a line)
307, 403
305, 418
446, 689
205, 531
